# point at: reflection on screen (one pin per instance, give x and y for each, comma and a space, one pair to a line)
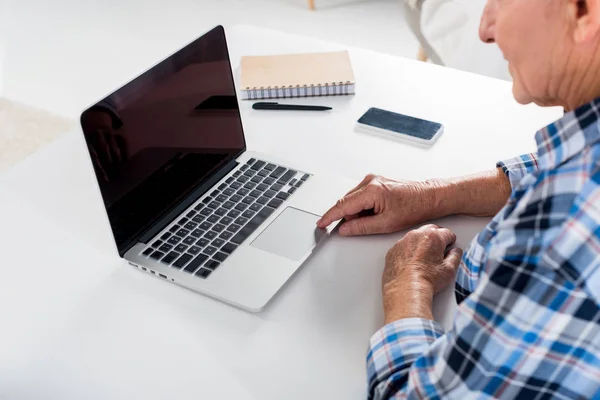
156, 139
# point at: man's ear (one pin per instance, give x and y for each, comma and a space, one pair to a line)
586, 15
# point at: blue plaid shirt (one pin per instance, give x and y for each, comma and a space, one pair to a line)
528, 320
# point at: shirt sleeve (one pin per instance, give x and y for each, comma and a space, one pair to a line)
516, 168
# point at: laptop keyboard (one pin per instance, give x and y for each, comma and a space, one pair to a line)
211, 230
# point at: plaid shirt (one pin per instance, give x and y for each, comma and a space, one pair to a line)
528, 320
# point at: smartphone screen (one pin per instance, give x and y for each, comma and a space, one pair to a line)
401, 124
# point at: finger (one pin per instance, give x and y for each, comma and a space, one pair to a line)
427, 227
448, 237
453, 258
364, 226
348, 205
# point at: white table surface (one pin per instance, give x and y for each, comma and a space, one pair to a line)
78, 323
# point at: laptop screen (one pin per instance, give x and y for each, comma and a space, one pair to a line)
157, 139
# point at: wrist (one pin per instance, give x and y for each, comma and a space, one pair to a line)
412, 298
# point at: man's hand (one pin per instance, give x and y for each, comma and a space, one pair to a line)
381, 205
416, 268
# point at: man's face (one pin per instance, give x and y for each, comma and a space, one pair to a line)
531, 35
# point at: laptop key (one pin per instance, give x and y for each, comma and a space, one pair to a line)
226, 220
165, 248
226, 235
255, 207
181, 248
221, 211
250, 173
243, 167
275, 203
278, 172
217, 243
236, 185
221, 198
157, 255
189, 240
210, 235
243, 179
212, 219
270, 167
174, 228
248, 214
283, 195
236, 174
194, 250
252, 225
236, 198
181, 261
210, 250
250, 185
199, 207
197, 233
233, 228
214, 204
256, 179
198, 219
215, 193
212, 264
277, 187
182, 233
262, 187
174, 240
305, 177
148, 251
241, 221
269, 181
222, 187
258, 165
255, 193
202, 242
206, 200
228, 191
263, 200
157, 244
270, 193
190, 226
205, 225
218, 228
206, 212
195, 263
191, 214
287, 176
228, 205
300, 182
292, 190
263, 173
229, 248
165, 236
248, 200
250, 161
183, 221
220, 256
243, 192
169, 258
233, 213
241, 206
203, 273
293, 182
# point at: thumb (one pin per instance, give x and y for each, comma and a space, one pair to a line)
363, 226
453, 258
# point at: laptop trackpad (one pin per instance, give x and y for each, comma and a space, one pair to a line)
293, 233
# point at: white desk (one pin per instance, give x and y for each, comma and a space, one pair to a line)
78, 323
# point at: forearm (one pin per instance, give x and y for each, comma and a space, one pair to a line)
482, 194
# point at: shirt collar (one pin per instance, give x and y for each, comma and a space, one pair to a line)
569, 136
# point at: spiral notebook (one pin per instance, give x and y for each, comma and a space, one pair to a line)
297, 75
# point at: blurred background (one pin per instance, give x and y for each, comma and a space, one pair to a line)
58, 56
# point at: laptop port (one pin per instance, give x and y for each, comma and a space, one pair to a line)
144, 268
162, 276
153, 272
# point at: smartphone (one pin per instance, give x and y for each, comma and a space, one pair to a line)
400, 127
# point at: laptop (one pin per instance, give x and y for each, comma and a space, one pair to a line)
185, 200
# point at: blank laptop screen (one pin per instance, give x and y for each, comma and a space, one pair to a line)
161, 136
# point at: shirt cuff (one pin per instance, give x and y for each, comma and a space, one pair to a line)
516, 168
392, 351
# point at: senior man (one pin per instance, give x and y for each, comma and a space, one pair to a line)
527, 325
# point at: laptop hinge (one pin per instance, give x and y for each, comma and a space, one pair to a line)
181, 207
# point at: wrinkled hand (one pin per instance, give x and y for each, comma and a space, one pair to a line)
381, 205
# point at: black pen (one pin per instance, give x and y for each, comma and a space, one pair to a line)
289, 107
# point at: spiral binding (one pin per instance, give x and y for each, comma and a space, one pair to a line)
277, 92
